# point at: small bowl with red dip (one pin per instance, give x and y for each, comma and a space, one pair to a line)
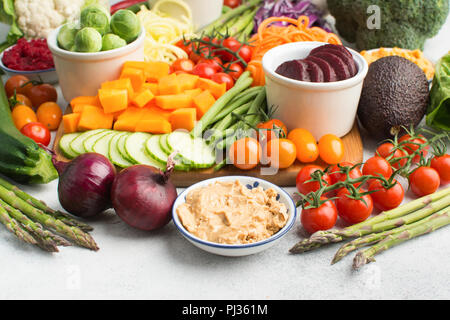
315, 86
31, 58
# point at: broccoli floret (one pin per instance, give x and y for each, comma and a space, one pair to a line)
404, 23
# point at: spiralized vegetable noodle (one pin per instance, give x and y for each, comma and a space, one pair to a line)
270, 36
162, 32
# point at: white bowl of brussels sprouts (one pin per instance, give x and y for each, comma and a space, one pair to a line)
93, 51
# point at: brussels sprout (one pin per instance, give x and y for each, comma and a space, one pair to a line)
126, 25
66, 36
88, 40
111, 41
95, 16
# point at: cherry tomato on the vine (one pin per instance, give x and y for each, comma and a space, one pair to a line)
20, 99
307, 149
351, 210
204, 70
186, 47
232, 3
223, 78
319, 219
442, 165
271, 129
18, 84
386, 199
245, 153
337, 176
215, 62
38, 132
424, 181
377, 166
234, 69
331, 149
183, 64
304, 175
413, 145
281, 153
386, 151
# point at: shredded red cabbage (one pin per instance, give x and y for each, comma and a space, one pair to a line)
291, 9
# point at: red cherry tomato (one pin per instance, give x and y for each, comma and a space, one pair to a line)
187, 47
215, 62
223, 78
386, 151
322, 218
233, 45
377, 166
304, 175
386, 199
204, 53
183, 64
414, 145
337, 176
204, 70
234, 69
232, 3
38, 132
442, 165
351, 210
246, 53
424, 181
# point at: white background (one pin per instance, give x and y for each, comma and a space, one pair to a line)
162, 265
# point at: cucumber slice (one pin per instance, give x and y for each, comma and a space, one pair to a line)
121, 147
135, 148
163, 143
64, 144
194, 151
89, 143
77, 144
101, 146
155, 151
114, 154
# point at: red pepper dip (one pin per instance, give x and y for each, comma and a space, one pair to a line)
29, 55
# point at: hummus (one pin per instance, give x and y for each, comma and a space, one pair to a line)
230, 213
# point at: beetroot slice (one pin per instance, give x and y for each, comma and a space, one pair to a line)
328, 72
315, 72
337, 47
294, 69
348, 61
339, 66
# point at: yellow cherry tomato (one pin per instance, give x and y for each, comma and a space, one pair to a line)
23, 115
306, 144
245, 153
331, 149
50, 115
281, 153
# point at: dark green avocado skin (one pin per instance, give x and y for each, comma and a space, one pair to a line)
395, 94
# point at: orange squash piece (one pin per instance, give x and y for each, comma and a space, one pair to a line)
90, 100
92, 118
142, 98
131, 112
70, 122
153, 87
194, 92
187, 81
154, 125
137, 77
169, 85
154, 70
183, 118
216, 89
125, 124
174, 101
154, 111
78, 108
203, 102
120, 84
113, 100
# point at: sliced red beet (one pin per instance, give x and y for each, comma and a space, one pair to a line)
328, 72
350, 62
339, 66
294, 69
315, 72
326, 47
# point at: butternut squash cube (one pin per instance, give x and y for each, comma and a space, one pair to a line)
137, 77
142, 98
216, 89
169, 85
92, 118
113, 100
120, 84
174, 101
203, 102
90, 100
183, 118
70, 122
154, 125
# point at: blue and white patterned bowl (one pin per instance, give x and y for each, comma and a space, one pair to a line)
236, 250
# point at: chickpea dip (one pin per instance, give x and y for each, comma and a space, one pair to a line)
230, 213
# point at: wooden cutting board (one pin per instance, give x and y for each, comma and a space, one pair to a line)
284, 178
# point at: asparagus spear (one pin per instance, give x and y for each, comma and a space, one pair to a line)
13, 226
377, 237
367, 256
245, 34
321, 238
67, 219
74, 233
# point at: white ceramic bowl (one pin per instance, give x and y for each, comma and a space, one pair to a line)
321, 108
47, 75
238, 249
81, 74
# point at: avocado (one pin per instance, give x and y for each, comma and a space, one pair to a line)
395, 94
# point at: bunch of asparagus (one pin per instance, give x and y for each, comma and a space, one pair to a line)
388, 229
32, 221
237, 23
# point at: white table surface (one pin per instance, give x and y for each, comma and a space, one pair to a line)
133, 264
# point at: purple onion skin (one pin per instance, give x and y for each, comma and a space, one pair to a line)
84, 186
143, 197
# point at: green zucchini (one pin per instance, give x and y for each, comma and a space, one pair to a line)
21, 159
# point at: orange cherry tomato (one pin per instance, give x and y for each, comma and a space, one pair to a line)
22, 115
281, 153
306, 144
245, 153
19, 99
331, 149
272, 129
50, 115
